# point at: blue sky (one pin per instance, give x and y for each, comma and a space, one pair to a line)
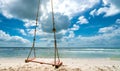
79, 23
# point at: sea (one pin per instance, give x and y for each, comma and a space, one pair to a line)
64, 52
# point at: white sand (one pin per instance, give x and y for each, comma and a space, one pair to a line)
17, 64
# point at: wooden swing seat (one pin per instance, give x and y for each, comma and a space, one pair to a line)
57, 64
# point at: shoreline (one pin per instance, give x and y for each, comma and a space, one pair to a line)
69, 64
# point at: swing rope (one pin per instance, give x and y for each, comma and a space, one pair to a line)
56, 54
34, 38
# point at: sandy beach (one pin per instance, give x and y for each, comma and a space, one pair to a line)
69, 64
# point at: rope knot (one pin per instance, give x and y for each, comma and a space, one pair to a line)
54, 30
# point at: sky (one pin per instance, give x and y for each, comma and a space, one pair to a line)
79, 23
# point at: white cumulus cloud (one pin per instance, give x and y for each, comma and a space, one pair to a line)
22, 31
29, 23
75, 27
82, 20
71, 34
110, 8
106, 29
12, 40
93, 12
109, 11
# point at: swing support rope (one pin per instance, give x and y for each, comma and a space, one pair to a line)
55, 41
56, 63
34, 38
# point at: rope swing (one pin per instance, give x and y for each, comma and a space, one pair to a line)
57, 62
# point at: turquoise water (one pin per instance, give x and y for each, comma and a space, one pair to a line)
22, 52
